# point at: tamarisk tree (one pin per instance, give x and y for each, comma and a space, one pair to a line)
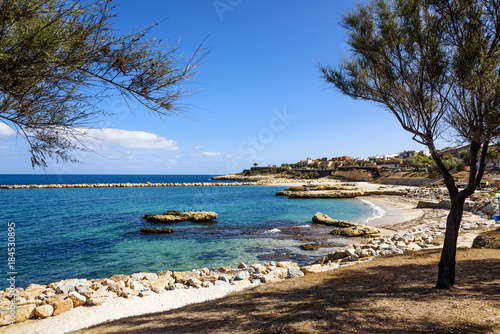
61, 59
435, 65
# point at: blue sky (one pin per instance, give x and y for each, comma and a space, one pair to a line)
261, 97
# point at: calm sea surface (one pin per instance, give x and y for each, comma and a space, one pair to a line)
93, 233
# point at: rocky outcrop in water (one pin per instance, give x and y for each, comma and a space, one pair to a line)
323, 219
153, 230
338, 192
346, 228
173, 216
326, 194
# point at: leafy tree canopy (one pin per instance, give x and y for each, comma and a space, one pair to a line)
59, 59
435, 65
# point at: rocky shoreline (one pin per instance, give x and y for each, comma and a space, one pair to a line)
43, 301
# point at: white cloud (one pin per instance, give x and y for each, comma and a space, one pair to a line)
128, 139
197, 147
211, 154
6, 131
4, 147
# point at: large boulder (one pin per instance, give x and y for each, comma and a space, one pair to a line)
21, 313
183, 277
357, 231
153, 218
199, 216
320, 218
77, 299
346, 228
63, 306
44, 311
68, 286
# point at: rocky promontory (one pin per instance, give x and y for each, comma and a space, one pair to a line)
338, 191
174, 216
346, 228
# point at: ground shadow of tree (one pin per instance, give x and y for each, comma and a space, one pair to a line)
356, 299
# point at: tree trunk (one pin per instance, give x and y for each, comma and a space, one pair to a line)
446, 273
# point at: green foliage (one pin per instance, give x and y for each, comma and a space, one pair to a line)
436, 66
418, 163
465, 156
450, 162
60, 59
433, 64
350, 163
311, 175
493, 155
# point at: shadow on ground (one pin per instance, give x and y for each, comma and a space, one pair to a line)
389, 295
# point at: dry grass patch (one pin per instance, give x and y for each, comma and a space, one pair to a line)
387, 295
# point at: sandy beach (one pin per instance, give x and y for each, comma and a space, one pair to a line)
400, 215
83, 317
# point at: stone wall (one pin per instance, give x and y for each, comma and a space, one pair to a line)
443, 204
402, 181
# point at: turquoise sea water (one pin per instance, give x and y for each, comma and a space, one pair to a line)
93, 232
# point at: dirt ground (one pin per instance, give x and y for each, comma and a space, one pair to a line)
386, 295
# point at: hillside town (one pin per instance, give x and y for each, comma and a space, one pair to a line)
408, 159
409, 167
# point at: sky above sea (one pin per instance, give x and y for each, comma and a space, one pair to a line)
260, 96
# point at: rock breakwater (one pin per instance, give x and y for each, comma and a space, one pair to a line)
127, 185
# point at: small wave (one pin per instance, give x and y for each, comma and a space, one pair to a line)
377, 211
304, 226
274, 230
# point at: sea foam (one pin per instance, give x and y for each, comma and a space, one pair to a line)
376, 211
274, 230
